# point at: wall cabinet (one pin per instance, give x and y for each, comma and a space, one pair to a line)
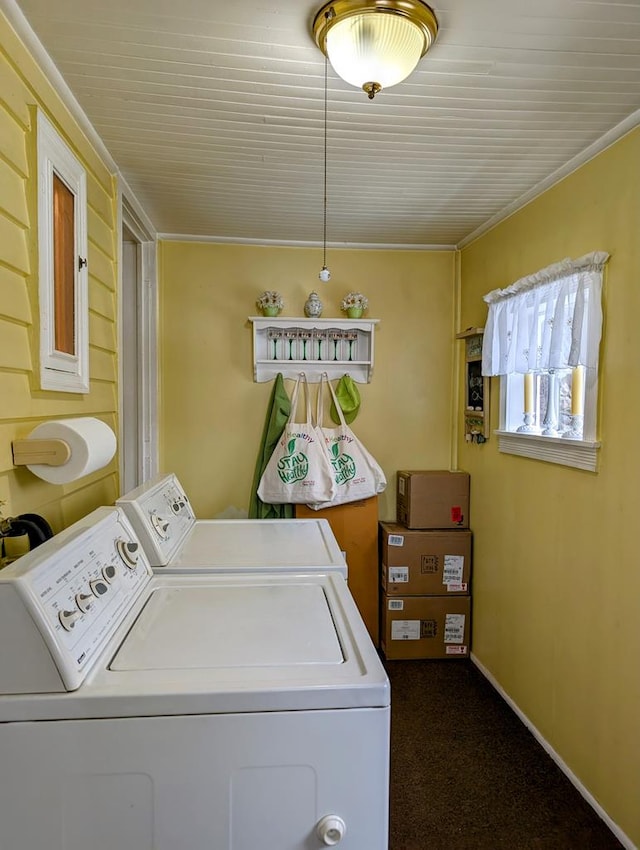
313, 346
476, 388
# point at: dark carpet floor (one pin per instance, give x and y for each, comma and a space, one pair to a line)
466, 774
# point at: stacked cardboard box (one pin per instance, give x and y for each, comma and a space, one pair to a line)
425, 566
433, 498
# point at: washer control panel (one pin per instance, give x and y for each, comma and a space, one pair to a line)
161, 516
80, 585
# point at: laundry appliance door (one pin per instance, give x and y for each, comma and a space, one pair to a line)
259, 546
211, 628
257, 781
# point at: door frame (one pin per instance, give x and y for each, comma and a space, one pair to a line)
143, 232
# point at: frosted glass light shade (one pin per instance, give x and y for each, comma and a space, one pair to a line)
374, 44
374, 48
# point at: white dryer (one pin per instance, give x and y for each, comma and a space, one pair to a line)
174, 540
156, 712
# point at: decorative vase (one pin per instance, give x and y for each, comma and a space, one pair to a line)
270, 311
313, 306
354, 312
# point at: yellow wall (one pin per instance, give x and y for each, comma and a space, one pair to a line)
23, 87
212, 411
556, 580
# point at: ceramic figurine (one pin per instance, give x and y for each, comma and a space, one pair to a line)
313, 306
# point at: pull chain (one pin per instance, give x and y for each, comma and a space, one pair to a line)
325, 274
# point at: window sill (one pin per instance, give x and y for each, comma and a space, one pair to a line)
581, 454
63, 382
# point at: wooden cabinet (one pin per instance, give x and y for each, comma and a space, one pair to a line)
355, 526
476, 392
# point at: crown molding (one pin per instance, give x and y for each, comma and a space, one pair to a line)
291, 243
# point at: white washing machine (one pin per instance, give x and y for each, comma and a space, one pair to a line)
199, 712
175, 540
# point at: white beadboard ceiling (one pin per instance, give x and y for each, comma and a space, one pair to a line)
213, 112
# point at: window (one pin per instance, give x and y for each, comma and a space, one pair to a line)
543, 339
62, 244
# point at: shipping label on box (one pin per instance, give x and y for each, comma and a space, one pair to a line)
453, 569
405, 630
454, 628
398, 575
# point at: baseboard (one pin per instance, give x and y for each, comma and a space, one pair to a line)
615, 829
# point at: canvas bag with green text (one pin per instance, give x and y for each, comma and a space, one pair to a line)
357, 474
298, 471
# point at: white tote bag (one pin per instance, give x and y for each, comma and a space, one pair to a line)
357, 474
298, 471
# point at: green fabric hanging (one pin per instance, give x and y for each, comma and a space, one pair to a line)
277, 416
348, 398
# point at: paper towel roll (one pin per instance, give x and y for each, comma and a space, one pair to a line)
92, 445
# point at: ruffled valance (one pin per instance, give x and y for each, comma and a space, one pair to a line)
548, 320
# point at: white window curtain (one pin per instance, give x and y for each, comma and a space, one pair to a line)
548, 320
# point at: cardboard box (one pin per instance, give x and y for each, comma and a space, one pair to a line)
433, 498
425, 627
424, 563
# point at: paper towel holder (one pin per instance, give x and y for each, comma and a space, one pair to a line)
62, 450
54, 452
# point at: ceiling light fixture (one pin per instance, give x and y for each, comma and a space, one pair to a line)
325, 274
374, 44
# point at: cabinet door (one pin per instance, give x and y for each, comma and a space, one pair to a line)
253, 781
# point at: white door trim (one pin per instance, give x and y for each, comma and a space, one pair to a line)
146, 367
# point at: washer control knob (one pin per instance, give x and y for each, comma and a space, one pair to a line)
160, 525
98, 587
128, 551
84, 601
68, 618
177, 505
331, 830
109, 573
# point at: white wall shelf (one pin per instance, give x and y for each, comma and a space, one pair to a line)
292, 345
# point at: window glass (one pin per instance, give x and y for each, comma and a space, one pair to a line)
64, 266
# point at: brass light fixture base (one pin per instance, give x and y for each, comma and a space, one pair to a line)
371, 89
416, 11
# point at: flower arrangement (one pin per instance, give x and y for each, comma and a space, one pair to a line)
354, 301
270, 302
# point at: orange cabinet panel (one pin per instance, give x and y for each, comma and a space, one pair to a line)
355, 526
